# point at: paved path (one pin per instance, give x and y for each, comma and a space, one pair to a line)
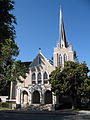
84, 112
56, 115
39, 112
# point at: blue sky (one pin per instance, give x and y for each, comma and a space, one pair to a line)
38, 27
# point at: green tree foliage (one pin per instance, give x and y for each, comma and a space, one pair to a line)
72, 80
75, 57
10, 69
7, 20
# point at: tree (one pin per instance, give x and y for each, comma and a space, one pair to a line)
72, 80
7, 20
75, 57
10, 68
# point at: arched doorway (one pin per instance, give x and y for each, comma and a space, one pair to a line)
25, 97
48, 97
36, 97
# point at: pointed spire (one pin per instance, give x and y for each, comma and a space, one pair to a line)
62, 35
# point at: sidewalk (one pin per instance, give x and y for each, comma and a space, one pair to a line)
40, 112
84, 112
81, 112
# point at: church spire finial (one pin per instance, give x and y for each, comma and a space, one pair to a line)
39, 50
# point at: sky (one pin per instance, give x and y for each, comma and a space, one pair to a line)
38, 27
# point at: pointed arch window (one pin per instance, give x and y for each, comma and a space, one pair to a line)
62, 45
39, 60
45, 77
33, 78
39, 77
60, 60
65, 57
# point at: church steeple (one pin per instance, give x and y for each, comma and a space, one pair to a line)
63, 51
62, 36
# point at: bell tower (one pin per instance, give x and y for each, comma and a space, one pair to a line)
63, 51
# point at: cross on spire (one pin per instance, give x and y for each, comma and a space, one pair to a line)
39, 50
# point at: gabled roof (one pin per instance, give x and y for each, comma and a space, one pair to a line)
42, 59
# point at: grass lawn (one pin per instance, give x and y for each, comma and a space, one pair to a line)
3, 108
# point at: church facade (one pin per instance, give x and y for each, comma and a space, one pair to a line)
36, 89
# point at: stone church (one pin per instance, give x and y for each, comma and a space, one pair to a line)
36, 89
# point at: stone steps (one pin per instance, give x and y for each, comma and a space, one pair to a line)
39, 107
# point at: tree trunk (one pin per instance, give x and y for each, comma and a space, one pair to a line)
74, 103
